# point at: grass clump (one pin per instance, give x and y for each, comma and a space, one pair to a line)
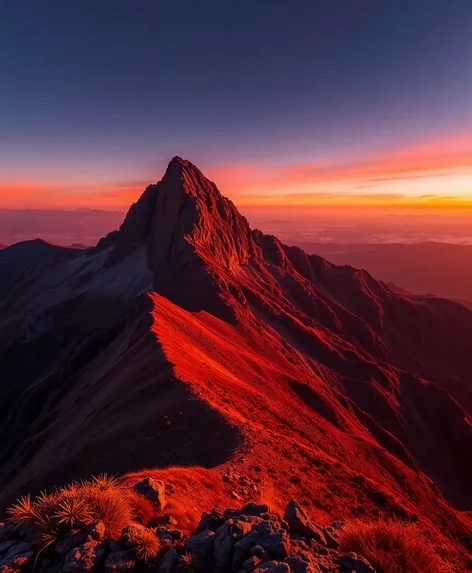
391, 546
50, 516
146, 545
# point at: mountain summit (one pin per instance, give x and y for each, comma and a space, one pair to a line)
187, 339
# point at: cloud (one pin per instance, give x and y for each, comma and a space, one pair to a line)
440, 158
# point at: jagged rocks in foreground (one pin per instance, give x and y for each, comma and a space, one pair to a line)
236, 540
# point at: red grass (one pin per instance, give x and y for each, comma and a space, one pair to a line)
391, 546
195, 490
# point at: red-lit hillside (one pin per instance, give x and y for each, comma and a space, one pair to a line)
188, 339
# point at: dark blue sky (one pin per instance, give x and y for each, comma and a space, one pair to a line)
104, 92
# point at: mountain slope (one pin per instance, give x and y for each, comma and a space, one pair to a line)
441, 269
247, 356
23, 257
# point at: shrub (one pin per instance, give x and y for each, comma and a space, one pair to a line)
146, 545
391, 546
73, 507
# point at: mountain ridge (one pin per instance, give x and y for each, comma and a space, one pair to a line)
277, 360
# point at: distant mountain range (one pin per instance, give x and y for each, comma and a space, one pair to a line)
187, 339
442, 269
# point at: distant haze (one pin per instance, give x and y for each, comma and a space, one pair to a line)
301, 225
60, 227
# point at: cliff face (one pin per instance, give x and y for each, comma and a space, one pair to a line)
327, 378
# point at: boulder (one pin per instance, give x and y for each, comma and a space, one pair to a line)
168, 561
201, 545
274, 539
5, 546
7, 532
85, 558
16, 556
298, 564
96, 531
131, 534
255, 509
331, 536
251, 563
273, 567
353, 563
299, 522
70, 540
227, 535
119, 562
154, 490
241, 551
211, 520
260, 553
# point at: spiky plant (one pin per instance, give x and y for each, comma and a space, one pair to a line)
147, 545
22, 513
105, 481
45, 531
187, 563
72, 513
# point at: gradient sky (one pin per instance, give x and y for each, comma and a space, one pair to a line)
282, 103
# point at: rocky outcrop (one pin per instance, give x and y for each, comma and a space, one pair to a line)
154, 490
234, 541
254, 539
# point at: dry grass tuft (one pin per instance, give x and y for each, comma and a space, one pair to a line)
391, 546
147, 545
188, 563
22, 512
76, 506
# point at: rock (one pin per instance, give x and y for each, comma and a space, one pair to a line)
70, 540
256, 509
5, 546
260, 552
7, 532
353, 563
299, 565
115, 546
273, 567
96, 531
299, 522
119, 562
16, 556
227, 535
251, 563
85, 558
331, 537
175, 534
212, 520
200, 545
242, 549
154, 490
274, 539
168, 561
131, 534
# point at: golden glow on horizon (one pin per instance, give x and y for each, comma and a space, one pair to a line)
434, 175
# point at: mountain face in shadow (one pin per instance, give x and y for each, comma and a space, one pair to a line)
186, 338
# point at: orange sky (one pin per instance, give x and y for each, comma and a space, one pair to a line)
434, 174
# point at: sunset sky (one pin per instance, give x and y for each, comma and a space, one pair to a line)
342, 103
